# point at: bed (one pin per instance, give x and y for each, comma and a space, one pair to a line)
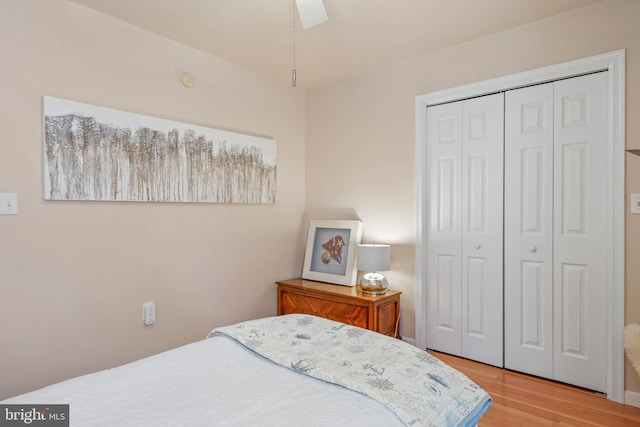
291, 370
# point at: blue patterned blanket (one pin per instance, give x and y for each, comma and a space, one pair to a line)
420, 389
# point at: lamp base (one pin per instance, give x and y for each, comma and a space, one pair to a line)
373, 284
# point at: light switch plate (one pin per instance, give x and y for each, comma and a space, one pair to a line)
8, 204
635, 203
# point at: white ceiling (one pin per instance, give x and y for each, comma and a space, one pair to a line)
359, 36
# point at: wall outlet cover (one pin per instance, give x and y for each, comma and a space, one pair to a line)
149, 313
635, 203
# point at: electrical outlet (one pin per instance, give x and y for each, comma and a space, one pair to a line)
8, 204
635, 203
149, 313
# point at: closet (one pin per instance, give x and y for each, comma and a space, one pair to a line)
465, 241
516, 229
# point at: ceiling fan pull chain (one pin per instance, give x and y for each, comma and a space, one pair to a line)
293, 71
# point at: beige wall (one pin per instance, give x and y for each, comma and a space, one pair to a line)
360, 132
74, 275
632, 276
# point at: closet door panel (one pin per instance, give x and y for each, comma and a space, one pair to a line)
444, 154
482, 237
528, 228
581, 200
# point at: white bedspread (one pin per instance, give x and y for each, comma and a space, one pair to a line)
420, 389
214, 382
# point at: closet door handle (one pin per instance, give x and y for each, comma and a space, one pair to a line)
532, 248
477, 246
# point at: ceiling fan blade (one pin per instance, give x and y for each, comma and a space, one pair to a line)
311, 12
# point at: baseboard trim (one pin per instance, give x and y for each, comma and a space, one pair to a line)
632, 398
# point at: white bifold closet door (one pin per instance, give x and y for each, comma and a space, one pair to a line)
465, 223
555, 222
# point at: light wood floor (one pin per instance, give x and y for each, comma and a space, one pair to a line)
522, 400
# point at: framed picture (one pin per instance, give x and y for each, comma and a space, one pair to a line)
98, 153
331, 251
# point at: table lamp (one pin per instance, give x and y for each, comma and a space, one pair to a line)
373, 259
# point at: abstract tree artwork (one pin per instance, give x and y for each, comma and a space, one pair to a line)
98, 153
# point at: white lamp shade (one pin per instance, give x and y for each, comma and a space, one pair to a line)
374, 257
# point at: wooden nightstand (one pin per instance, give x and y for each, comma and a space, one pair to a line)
346, 304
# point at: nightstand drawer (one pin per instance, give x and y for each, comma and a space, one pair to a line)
346, 304
334, 310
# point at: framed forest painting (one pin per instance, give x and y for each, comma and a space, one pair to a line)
98, 153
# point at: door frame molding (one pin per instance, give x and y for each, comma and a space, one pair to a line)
614, 63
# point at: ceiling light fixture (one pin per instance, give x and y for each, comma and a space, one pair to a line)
311, 13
